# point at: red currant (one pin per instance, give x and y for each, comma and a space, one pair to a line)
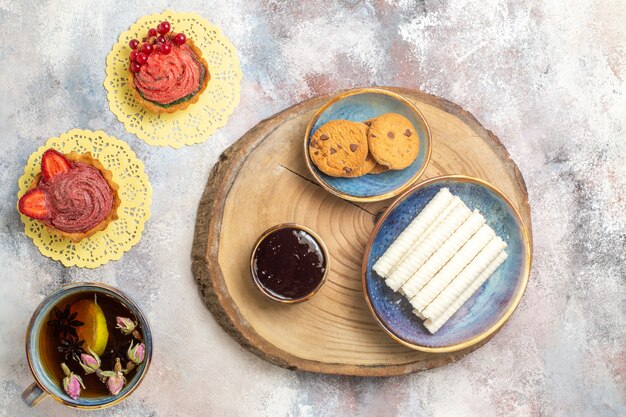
146, 47
160, 39
152, 32
134, 43
141, 58
165, 48
135, 67
164, 27
133, 55
180, 39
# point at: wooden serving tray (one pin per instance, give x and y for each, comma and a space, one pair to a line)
262, 180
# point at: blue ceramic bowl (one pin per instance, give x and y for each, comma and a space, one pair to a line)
360, 105
47, 385
494, 302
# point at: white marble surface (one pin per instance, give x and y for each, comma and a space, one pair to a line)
547, 77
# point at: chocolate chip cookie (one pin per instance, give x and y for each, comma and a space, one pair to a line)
378, 169
367, 167
339, 147
392, 140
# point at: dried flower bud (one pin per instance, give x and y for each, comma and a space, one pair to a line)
90, 363
72, 383
118, 365
137, 353
125, 324
116, 382
130, 365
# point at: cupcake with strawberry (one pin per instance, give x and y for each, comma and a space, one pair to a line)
74, 195
167, 71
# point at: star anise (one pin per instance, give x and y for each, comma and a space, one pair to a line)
71, 348
64, 322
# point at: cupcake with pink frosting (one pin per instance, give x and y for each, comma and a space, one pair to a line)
73, 195
167, 71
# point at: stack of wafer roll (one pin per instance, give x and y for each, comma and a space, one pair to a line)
441, 259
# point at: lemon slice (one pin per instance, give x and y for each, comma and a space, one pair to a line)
94, 332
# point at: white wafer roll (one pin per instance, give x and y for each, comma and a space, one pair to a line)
443, 254
456, 201
413, 232
455, 265
419, 315
435, 324
427, 246
462, 281
445, 213
444, 216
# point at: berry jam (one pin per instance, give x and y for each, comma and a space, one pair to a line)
289, 263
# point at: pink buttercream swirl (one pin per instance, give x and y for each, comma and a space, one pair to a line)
167, 78
79, 199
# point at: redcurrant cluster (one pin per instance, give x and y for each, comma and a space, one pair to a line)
158, 40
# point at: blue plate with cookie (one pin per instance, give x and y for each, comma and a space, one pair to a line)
367, 144
490, 297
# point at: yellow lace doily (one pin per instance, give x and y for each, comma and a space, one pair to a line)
135, 193
200, 120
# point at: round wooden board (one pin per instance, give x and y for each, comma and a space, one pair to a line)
262, 180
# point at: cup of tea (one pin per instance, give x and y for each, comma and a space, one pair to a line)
88, 346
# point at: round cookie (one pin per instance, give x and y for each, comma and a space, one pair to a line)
393, 141
367, 167
339, 147
378, 169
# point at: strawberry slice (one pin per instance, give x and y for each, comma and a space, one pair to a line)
53, 163
34, 204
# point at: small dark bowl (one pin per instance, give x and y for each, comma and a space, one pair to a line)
266, 291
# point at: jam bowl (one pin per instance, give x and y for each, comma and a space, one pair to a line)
289, 263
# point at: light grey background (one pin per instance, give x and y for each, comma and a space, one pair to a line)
547, 77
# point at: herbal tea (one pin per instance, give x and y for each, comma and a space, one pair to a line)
91, 344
